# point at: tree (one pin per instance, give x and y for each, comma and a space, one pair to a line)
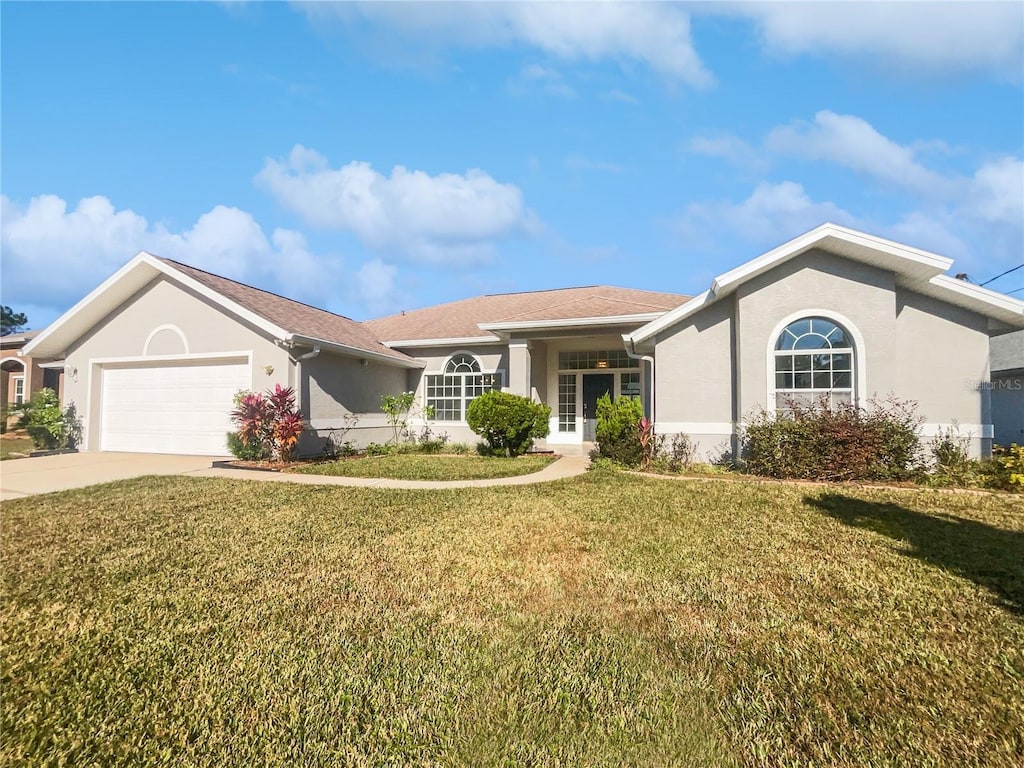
12, 321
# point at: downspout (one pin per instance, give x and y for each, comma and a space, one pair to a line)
298, 375
290, 345
631, 351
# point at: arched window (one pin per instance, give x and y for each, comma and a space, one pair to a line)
449, 393
814, 362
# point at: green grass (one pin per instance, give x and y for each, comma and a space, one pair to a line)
9, 445
605, 620
415, 466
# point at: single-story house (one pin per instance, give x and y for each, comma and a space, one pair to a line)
153, 356
21, 376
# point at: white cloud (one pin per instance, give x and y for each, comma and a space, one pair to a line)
448, 218
854, 143
927, 231
375, 283
547, 79
996, 192
654, 34
772, 214
948, 210
54, 256
731, 148
916, 37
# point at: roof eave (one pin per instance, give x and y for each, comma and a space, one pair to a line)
139, 271
359, 352
505, 328
443, 342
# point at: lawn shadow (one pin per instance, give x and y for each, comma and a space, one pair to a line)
991, 557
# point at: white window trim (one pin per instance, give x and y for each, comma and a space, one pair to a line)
859, 356
165, 327
14, 388
499, 372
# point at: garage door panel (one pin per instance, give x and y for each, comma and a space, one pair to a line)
179, 408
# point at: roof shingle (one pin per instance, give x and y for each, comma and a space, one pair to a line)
292, 316
460, 319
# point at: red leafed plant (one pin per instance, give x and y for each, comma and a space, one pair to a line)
269, 421
282, 399
253, 417
287, 428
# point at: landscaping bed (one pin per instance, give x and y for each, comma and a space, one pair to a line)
413, 466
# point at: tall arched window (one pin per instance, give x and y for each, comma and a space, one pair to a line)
814, 362
449, 393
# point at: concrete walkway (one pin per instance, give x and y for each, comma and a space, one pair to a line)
43, 474
566, 466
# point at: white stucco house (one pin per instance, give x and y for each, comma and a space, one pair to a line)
153, 356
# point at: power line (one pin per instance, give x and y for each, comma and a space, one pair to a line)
1012, 269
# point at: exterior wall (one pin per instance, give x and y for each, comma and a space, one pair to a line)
1007, 392
1007, 395
164, 319
863, 296
694, 382
713, 369
942, 363
334, 387
12, 366
492, 357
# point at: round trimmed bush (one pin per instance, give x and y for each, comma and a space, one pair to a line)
509, 423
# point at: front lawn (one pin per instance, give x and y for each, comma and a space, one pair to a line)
14, 445
416, 466
604, 620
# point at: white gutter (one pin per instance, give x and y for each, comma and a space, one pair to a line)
570, 322
444, 342
631, 351
410, 362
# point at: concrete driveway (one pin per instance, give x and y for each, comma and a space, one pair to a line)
27, 477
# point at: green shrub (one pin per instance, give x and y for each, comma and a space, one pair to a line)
509, 423
951, 461
618, 430
1005, 470
428, 442
49, 427
680, 456
817, 442
240, 449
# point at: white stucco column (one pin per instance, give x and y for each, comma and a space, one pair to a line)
519, 367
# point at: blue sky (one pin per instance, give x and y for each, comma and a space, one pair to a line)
373, 158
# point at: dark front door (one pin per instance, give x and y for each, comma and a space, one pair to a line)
594, 386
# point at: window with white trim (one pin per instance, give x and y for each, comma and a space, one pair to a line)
19, 389
814, 362
450, 392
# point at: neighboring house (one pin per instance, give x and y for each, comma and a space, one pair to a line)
1007, 391
20, 375
154, 354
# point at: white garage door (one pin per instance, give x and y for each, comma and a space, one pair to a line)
181, 408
